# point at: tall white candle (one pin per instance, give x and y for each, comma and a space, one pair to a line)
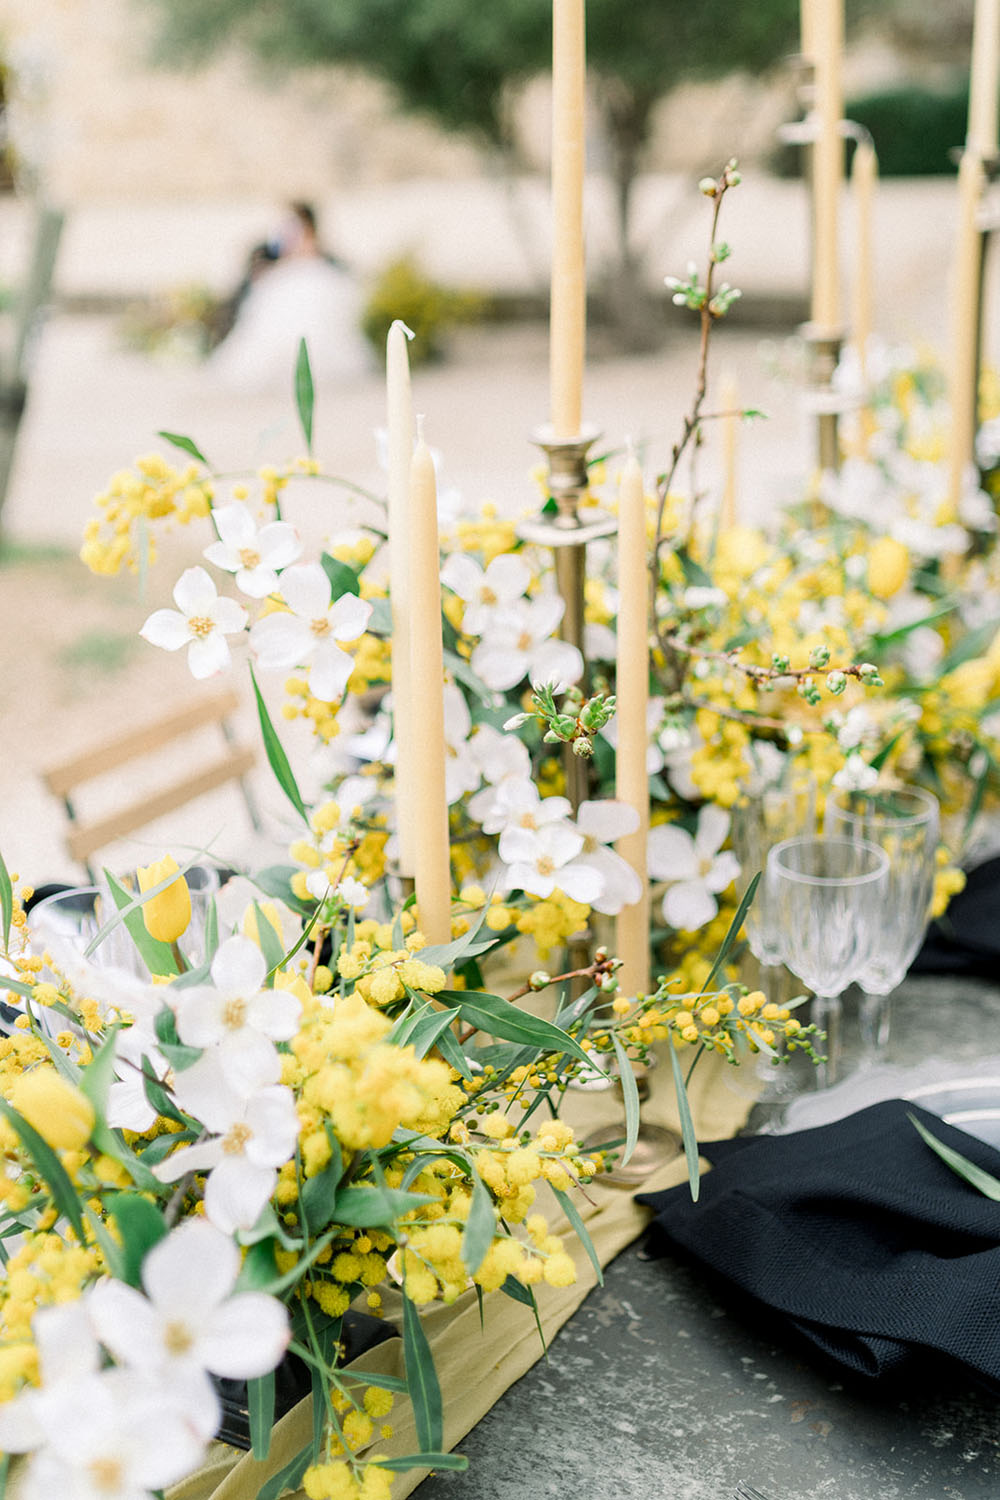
807, 25
828, 163
984, 84
568, 307
431, 859
965, 323
632, 692
400, 429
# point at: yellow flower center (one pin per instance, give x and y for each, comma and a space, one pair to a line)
524, 641
236, 1138
545, 865
178, 1338
234, 1013
249, 558
200, 625
705, 867
528, 820
589, 843
486, 595
106, 1473
320, 626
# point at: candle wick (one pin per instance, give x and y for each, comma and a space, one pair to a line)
398, 323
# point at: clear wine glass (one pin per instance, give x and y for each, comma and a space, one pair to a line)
782, 810
827, 898
905, 822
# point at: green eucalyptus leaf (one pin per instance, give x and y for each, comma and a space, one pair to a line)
498, 1017
630, 1094
186, 445
453, 1461
276, 757
422, 1381
984, 1182
480, 1227
6, 902
375, 1207
304, 393
572, 1213
141, 1225
343, 578
731, 935
260, 1401
688, 1135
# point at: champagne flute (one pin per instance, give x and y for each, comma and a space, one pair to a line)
904, 822
828, 899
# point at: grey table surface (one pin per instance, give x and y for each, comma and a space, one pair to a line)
663, 1387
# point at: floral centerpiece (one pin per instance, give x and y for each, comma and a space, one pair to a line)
313, 1100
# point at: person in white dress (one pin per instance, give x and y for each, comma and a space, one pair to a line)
304, 293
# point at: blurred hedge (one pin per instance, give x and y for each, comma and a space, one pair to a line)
914, 130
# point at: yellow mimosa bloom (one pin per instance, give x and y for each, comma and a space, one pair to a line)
167, 915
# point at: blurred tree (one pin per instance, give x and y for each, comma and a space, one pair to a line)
456, 60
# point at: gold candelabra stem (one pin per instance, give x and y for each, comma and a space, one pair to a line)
824, 350
567, 533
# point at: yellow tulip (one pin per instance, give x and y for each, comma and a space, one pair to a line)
888, 567
167, 915
62, 1115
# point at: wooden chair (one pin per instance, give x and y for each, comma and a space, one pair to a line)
85, 837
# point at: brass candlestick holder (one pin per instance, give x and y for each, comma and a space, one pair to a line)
655, 1145
568, 534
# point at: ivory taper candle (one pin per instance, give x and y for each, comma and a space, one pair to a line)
965, 323
632, 693
828, 163
431, 859
984, 83
807, 26
568, 305
729, 397
400, 429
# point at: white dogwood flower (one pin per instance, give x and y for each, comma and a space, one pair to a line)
695, 868
308, 632
541, 860
187, 1321
235, 1014
202, 620
517, 803
461, 773
254, 554
252, 1138
602, 823
484, 591
117, 1438
519, 644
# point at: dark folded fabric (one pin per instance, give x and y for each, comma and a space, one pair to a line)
966, 940
857, 1236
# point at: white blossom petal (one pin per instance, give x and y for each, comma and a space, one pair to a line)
671, 853
167, 629
195, 592
688, 906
